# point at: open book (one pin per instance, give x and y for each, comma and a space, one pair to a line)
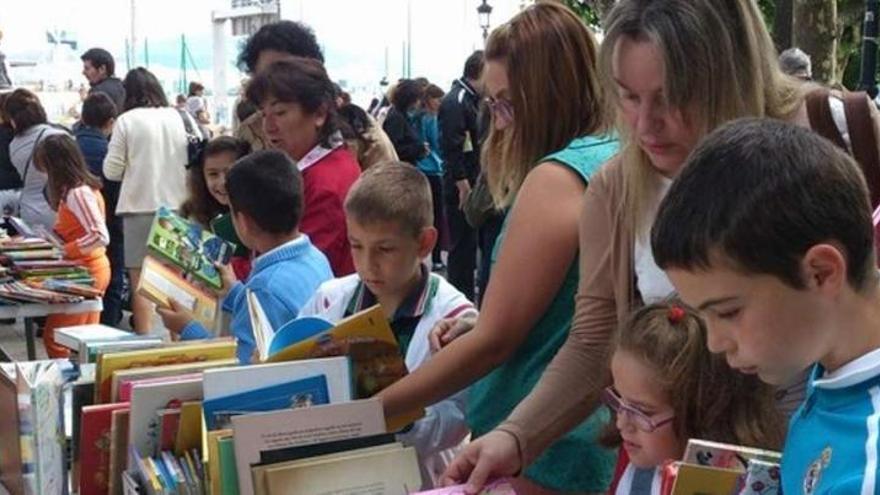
180, 265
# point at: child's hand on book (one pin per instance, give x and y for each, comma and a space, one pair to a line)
175, 317
491, 456
449, 329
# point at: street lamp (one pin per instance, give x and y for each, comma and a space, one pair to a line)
484, 11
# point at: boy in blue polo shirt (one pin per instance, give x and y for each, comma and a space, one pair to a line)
768, 232
391, 228
266, 200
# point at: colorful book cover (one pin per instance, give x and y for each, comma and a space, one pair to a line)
366, 338
228, 474
706, 480
304, 392
160, 283
189, 436
500, 487
146, 400
95, 440
762, 478
169, 423
191, 352
189, 247
136, 374
89, 351
126, 385
715, 454
212, 458
118, 449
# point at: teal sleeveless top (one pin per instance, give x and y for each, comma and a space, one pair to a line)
575, 462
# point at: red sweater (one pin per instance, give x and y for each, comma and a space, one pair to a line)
326, 184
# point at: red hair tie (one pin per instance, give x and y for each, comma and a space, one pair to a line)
675, 314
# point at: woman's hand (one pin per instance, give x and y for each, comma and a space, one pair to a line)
493, 455
448, 329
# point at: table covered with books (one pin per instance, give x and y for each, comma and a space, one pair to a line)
36, 281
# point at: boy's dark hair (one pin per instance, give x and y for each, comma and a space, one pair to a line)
284, 36
391, 192
303, 81
761, 193
24, 108
473, 66
142, 90
407, 92
267, 187
100, 57
97, 110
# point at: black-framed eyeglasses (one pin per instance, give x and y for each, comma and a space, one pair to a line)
642, 421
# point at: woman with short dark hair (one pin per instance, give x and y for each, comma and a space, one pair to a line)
148, 153
300, 118
404, 102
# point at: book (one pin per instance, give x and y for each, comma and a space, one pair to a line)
190, 352
693, 479
254, 433
146, 400
89, 351
82, 393
390, 470
228, 474
95, 448
169, 423
126, 385
270, 341
134, 374
188, 246
499, 487
118, 449
276, 456
190, 433
715, 454
160, 283
267, 387
211, 453
367, 339
305, 392
74, 337
11, 472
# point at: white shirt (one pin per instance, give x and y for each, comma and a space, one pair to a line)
653, 284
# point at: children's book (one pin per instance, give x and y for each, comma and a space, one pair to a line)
160, 283
74, 337
258, 432
126, 385
146, 400
366, 338
156, 372
715, 454
89, 351
118, 449
390, 470
270, 341
266, 387
499, 487
95, 440
694, 479
189, 436
304, 392
190, 352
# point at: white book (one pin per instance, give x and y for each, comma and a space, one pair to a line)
147, 399
73, 337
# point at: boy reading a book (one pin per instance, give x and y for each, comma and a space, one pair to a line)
391, 230
768, 232
266, 201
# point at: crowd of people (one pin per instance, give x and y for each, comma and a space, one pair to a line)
588, 253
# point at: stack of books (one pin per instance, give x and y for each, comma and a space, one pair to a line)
152, 417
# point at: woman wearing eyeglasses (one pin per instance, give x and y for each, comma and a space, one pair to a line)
548, 136
668, 389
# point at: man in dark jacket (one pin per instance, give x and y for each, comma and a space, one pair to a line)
460, 144
98, 116
98, 68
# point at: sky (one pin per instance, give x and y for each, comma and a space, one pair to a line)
357, 36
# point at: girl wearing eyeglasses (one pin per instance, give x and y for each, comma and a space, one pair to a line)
668, 388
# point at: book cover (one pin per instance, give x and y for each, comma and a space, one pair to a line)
118, 449
133, 374
41, 426
95, 448
11, 469
73, 337
762, 478
146, 400
89, 351
82, 393
706, 480
126, 385
188, 246
305, 392
189, 436
366, 338
715, 454
228, 475
500, 487
268, 457
254, 433
211, 454
390, 472
169, 422
191, 352
159, 283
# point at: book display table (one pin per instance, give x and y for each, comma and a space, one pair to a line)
29, 311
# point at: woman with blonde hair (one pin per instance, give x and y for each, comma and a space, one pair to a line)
674, 71
548, 137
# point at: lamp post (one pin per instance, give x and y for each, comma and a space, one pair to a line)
484, 11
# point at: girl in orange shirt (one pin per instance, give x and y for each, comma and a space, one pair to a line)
75, 194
